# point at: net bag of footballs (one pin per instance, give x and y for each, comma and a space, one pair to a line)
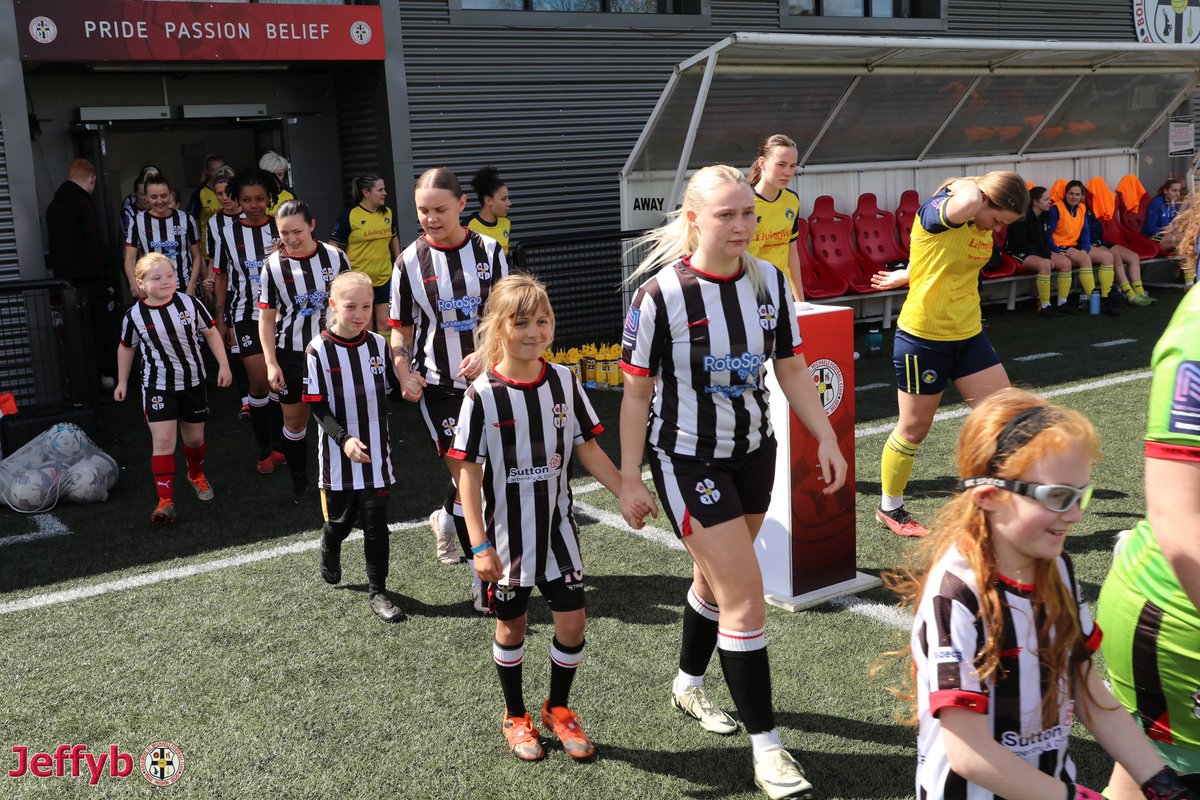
61, 463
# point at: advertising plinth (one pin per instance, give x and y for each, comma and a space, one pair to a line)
806, 547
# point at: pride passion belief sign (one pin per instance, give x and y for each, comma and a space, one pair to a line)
112, 30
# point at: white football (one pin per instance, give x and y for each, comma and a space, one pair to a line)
64, 442
86, 482
30, 490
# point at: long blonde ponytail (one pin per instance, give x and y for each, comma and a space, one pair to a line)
677, 237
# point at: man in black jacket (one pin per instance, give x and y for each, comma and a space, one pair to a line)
77, 256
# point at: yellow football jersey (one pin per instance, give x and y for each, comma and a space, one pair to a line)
943, 275
498, 230
778, 227
366, 237
284, 196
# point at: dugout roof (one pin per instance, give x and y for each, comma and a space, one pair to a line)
856, 100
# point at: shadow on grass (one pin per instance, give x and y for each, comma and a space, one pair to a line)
723, 771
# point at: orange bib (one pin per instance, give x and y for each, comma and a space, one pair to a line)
1070, 228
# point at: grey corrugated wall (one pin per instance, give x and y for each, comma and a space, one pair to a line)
10, 266
559, 109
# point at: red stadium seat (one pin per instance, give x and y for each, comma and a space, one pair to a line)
1133, 220
875, 233
1008, 263
906, 212
833, 246
819, 283
1117, 234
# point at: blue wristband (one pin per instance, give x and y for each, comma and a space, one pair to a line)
479, 548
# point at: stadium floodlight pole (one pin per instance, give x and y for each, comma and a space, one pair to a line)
1049, 114
690, 140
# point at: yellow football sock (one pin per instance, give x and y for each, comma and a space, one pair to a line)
1043, 289
1106, 279
1128, 290
1064, 286
896, 464
1137, 288
1087, 280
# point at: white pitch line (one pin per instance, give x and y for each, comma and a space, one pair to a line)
868, 387
49, 526
1036, 356
888, 615
150, 578
657, 535
955, 413
1113, 342
592, 486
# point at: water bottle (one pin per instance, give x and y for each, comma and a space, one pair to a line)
874, 343
1094, 307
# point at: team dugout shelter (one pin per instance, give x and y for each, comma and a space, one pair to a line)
885, 115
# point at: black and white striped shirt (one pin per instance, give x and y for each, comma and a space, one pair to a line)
524, 434
706, 341
241, 253
172, 236
298, 288
215, 223
170, 337
442, 292
353, 378
946, 641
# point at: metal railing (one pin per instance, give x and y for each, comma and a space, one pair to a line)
46, 358
584, 276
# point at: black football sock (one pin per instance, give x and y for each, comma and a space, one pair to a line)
699, 634
508, 660
748, 673
564, 661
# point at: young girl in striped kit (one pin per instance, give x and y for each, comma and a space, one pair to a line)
346, 383
167, 327
520, 422
1002, 639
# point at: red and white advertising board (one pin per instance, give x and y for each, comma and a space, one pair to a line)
806, 548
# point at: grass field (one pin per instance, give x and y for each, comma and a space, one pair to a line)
218, 635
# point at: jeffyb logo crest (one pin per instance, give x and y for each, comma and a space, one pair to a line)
161, 763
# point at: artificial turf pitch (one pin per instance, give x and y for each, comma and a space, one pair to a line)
218, 635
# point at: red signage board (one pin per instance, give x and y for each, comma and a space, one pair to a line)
112, 30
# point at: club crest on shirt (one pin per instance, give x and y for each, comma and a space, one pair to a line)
449, 426
327, 273
376, 364
483, 270
185, 318
559, 415
766, 316
789, 214
708, 491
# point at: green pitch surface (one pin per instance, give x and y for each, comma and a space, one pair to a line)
216, 634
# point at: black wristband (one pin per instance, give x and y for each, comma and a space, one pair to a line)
1166, 785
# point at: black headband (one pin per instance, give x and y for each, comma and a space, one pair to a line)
1019, 430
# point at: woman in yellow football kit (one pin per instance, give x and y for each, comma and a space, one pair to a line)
368, 234
778, 208
491, 219
939, 334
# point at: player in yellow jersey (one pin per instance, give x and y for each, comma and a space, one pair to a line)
492, 217
368, 233
204, 202
939, 334
778, 208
